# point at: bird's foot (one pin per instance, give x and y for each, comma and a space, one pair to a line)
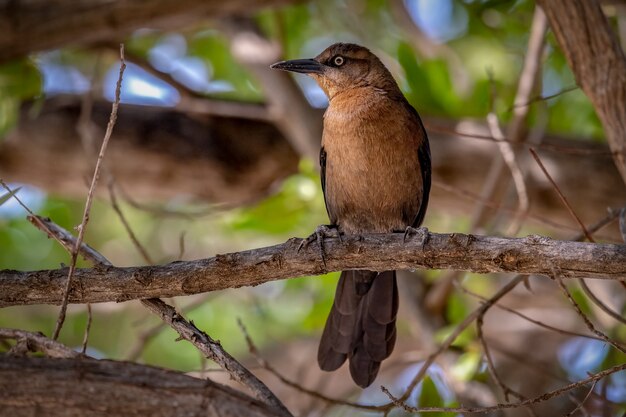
422, 232
321, 232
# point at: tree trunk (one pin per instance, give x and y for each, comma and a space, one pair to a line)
80, 387
598, 63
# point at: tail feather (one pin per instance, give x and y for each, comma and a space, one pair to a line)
361, 326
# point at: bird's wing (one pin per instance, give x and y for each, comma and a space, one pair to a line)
423, 155
331, 216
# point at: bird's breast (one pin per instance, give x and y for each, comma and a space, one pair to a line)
373, 179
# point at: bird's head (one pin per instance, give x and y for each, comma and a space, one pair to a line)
341, 67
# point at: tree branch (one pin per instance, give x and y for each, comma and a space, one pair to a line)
481, 254
72, 387
36, 25
598, 63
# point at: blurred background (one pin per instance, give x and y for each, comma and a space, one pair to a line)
213, 152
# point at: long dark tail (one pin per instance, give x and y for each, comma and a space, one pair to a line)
361, 325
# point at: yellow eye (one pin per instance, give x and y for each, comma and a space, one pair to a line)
338, 60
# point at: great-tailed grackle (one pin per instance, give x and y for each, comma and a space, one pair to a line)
375, 169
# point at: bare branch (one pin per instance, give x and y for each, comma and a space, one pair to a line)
31, 26
94, 182
544, 397
37, 342
378, 252
584, 317
214, 351
561, 196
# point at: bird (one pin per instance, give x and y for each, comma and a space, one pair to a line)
375, 169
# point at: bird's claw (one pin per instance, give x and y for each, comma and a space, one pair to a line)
422, 232
321, 232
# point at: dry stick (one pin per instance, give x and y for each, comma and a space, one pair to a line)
145, 337
87, 329
129, 230
315, 394
188, 331
13, 193
52, 230
546, 98
570, 209
469, 195
579, 406
518, 177
37, 342
214, 350
94, 182
588, 322
531, 401
600, 303
526, 85
528, 79
506, 390
561, 196
570, 150
203, 342
529, 319
457, 331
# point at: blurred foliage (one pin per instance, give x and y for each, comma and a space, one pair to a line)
490, 43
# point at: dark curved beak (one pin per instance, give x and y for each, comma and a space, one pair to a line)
304, 66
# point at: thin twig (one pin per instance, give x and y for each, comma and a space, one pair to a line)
586, 232
457, 331
561, 196
516, 173
214, 350
13, 193
506, 390
144, 338
190, 332
584, 317
545, 98
87, 329
579, 406
142, 250
312, 393
516, 129
600, 303
529, 319
536, 400
37, 342
94, 182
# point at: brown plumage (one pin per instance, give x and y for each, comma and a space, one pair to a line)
375, 169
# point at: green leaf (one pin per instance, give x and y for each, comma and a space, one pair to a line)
430, 397
20, 79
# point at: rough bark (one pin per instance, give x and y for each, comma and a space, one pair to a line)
481, 254
37, 25
211, 155
78, 387
598, 62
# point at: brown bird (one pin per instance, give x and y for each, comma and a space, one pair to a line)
375, 169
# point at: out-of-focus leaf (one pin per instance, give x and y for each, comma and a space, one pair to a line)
467, 365
430, 397
466, 337
456, 310
20, 79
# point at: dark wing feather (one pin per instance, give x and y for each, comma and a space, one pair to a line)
423, 155
331, 216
